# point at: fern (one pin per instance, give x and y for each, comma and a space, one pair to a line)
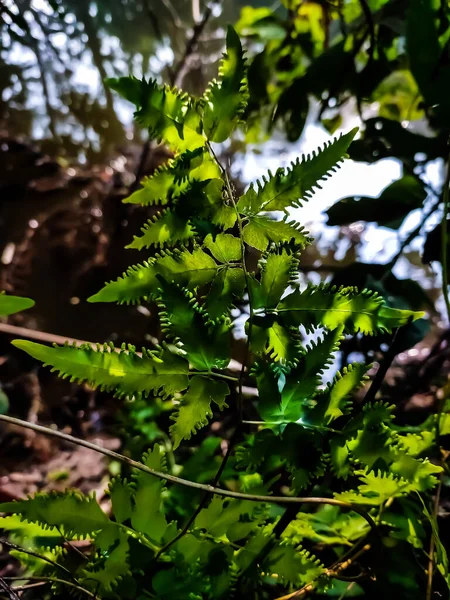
222, 266
13, 304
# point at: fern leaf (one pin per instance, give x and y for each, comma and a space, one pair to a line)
167, 228
31, 533
205, 342
333, 402
289, 186
261, 231
227, 285
121, 494
147, 516
234, 519
187, 268
292, 565
330, 307
195, 407
224, 247
271, 337
175, 178
71, 512
104, 574
13, 304
225, 100
278, 271
125, 373
287, 400
169, 114
375, 490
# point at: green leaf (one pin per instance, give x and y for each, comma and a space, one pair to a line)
261, 231
225, 100
231, 518
175, 178
331, 307
292, 564
334, 401
272, 337
169, 114
147, 516
389, 209
187, 268
121, 494
72, 512
205, 342
13, 304
225, 247
33, 534
375, 489
289, 186
126, 373
195, 408
102, 576
278, 271
226, 286
168, 228
440, 550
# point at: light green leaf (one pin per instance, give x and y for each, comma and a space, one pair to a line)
168, 228
113, 543
205, 342
225, 100
74, 513
125, 373
121, 493
13, 304
330, 307
187, 268
224, 247
270, 336
195, 408
289, 186
169, 114
147, 516
228, 285
292, 564
334, 401
261, 231
278, 270
175, 178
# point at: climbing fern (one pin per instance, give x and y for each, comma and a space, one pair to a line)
301, 424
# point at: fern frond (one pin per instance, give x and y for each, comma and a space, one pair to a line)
125, 373
205, 342
187, 268
13, 304
121, 494
147, 515
278, 271
75, 514
261, 231
175, 178
292, 565
226, 98
331, 307
195, 410
169, 114
271, 337
334, 401
168, 228
288, 187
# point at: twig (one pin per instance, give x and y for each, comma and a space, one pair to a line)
433, 542
382, 369
9, 590
369, 20
333, 572
444, 240
191, 45
192, 484
36, 555
51, 580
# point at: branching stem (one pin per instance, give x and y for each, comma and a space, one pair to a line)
192, 484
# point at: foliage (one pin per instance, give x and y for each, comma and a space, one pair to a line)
13, 304
310, 434
383, 63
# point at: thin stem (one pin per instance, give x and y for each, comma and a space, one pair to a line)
332, 572
192, 484
51, 580
433, 542
219, 375
36, 555
444, 240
